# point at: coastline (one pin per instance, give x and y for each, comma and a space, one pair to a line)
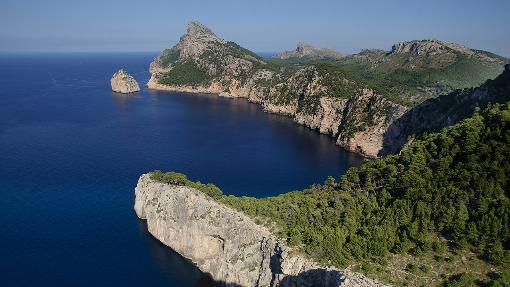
327, 123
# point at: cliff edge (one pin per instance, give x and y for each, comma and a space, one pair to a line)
227, 244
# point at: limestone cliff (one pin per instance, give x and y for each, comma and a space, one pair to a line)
122, 82
226, 243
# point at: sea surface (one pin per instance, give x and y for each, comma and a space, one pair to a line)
71, 152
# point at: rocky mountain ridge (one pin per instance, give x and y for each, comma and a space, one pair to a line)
433, 47
227, 244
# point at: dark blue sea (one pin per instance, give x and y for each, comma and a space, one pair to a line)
71, 152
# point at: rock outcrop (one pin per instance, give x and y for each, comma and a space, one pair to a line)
434, 47
226, 243
122, 82
304, 50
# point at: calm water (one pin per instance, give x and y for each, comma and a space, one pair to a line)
71, 153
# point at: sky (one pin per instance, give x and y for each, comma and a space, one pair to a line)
261, 26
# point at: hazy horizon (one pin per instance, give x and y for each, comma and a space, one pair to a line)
58, 26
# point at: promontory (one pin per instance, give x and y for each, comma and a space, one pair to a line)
357, 99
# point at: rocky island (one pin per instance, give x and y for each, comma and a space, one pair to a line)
354, 98
124, 83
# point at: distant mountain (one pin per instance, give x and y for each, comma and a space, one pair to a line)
422, 69
201, 57
354, 98
309, 52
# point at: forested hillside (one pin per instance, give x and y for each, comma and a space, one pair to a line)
437, 212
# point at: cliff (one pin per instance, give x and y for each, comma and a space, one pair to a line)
122, 82
227, 244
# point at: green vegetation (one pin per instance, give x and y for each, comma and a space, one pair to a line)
442, 206
186, 73
169, 56
415, 78
180, 179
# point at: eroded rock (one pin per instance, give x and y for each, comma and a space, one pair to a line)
122, 82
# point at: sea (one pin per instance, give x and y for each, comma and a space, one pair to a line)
71, 153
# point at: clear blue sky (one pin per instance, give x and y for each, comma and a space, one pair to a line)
262, 26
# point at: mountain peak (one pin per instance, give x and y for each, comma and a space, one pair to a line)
304, 50
304, 46
196, 28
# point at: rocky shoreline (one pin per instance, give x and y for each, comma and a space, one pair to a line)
227, 244
332, 113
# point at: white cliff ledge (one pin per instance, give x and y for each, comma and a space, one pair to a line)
226, 243
122, 82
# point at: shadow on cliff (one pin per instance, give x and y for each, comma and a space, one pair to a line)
437, 113
208, 281
311, 278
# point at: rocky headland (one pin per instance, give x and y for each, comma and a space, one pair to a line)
227, 244
124, 83
346, 98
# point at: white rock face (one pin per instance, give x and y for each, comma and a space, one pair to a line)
226, 243
122, 82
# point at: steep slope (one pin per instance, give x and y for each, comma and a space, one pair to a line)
422, 69
445, 110
203, 62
